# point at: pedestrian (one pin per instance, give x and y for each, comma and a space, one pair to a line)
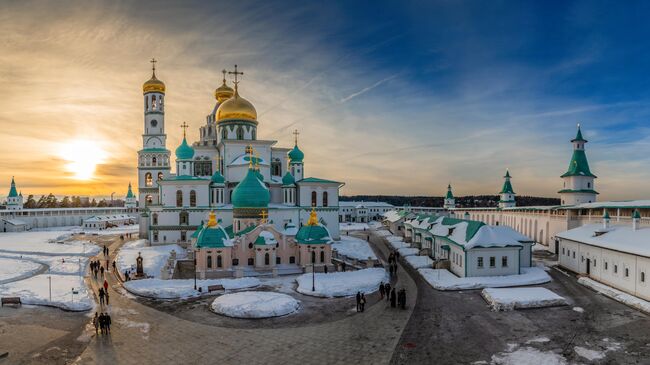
390, 268
114, 266
325, 268
358, 301
343, 266
101, 296
105, 285
96, 322
363, 302
126, 275
102, 323
381, 290
393, 298
107, 251
101, 269
107, 260
403, 298
106, 295
368, 238
107, 318
387, 289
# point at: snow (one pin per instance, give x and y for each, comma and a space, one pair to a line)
419, 262
518, 298
153, 258
342, 284
63, 264
45, 242
255, 304
528, 356
12, 269
135, 244
172, 289
591, 355
578, 309
353, 226
375, 225
134, 228
406, 251
354, 248
35, 290
398, 244
268, 237
618, 237
541, 339
394, 215
486, 236
444, 280
627, 299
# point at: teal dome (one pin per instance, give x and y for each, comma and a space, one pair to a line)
212, 237
296, 155
251, 192
217, 178
315, 235
288, 179
259, 175
184, 151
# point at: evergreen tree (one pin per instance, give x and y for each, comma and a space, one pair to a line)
93, 203
30, 203
51, 201
102, 203
66, 203
41, 202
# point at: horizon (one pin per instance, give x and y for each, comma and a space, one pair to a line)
439, 92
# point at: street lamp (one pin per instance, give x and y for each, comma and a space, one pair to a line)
113, 193
195, 272
313, 270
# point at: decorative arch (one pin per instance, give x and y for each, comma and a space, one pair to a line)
148, 181
179, 198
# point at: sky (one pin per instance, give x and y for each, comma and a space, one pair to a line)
393, 98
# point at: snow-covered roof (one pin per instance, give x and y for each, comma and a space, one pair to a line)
108, 218
617, 237
472, 234
613, 204
361, 204
394, 215
290, 230
15, 222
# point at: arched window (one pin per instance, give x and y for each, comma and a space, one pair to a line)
192, 198
148, 181
209, 262
154, 161
322, 256
278, 260
179, 198
219, 264
313, 199
154, 218
183, 218
160, 176
266, 259
325, 198
254, 134
313, 257
224, 133
240, 132
148, 199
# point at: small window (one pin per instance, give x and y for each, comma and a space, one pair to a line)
209, 262
480, 263
219, 261
615, 269
504, 261
235, 262
627, 272
493, 261
292, 259
563, 251
251, 262
278, 260
605, 265
574, 254
642, 277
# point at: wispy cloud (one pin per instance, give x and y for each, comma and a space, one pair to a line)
366, 89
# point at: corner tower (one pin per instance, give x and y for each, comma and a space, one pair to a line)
507, 194
578, 186
153, 158
296, 157
450, 201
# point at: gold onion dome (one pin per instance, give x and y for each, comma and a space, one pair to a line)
223, 92
236, 108
153, 85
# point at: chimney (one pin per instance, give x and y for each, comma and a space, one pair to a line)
636, 217
606, 220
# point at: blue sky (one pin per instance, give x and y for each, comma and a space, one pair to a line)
390, 97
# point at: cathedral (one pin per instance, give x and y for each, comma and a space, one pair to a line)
253, 190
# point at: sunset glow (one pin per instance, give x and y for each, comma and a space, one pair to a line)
82, 158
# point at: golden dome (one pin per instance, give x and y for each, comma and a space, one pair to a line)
236, 108
153, 85
223, 92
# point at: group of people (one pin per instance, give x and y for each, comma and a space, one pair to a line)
128, 235
396, 298
392, 262
102, 322
103, 294
97, 268
361, 301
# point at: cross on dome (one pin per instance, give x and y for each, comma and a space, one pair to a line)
236, 73
295, 136
184, 126
153, 65
264, 216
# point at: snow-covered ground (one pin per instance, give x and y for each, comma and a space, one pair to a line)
45, 242
354, 248
342, 284
255, 304
419, 262
383, 232
173, 289
375, 225
13, 269
444, 280
353, 226
528, 356
407, 251
153, 258
625, 298
517, 298
35, 290
135, 228
398, 244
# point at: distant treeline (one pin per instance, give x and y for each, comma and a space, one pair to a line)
471, 201
51, 201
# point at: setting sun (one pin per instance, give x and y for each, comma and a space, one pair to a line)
82, 158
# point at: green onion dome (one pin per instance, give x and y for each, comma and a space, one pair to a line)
184, 151
217, 178
251, 192
288, 179
296, 154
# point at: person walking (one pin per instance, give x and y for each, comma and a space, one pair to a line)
325, 269
363, 302
105, 285
381, 290
343, 266
403, 294
102, 323
101, 269
107, 318
393, 298
358, 301
114, 266
101, 296
106, 295
107, 264
387, 288
396, 255
107, 251
96, 323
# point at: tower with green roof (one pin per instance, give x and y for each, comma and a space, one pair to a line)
130, 200
288, 189
507, 194
250, 200
217, 189
450, 201
14, 200
578, 180
296, 157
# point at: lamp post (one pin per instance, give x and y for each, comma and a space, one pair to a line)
195, 272
313, 270
113, 193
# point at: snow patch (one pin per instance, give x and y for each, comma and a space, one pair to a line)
589, 354
528, 356
255, 304
419, 262
627, 299
354, 248
405, 251
153, 258
353, 226
342, 284
35, 290
518, 298
12, 269
578, 309
444, 280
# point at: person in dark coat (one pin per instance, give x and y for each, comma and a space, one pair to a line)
387, 288
102, 323
96, 323
107, 321
396, 255
101, 296
324, 268
393, 298
106, 295
381, 290
102, 271
358, 301
343, 266
402, 294
363, 302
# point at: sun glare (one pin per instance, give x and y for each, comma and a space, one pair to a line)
82, 158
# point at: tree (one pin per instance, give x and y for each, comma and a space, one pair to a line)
76, 201
93, 203
41, 202
51, 201
30, 203
102, 203
66, 203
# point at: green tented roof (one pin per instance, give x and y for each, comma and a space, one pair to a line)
579, 137
129, 193
12, 191
313, 235
507, 186
449, 194
578, 165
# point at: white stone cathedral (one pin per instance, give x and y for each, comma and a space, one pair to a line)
246, 181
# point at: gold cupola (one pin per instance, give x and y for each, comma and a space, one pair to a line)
236, 108
223, 92
153, 85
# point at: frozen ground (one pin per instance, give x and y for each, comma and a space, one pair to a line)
627, 299
342, 284
12, 269
35, 290
254, 304
115, 230
354, 248
518, 298
353, 226
407, 251
419, 262
173, 289
153, 258
444, 280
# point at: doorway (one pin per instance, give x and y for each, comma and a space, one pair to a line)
588, 266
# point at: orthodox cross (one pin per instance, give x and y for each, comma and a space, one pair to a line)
250, 156
153, 65
184, 126
264, 215
224, 72
295, 136
236, 82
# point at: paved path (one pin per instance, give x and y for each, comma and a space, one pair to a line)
141, 334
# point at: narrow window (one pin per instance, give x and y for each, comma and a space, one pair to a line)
605, 265
325, 198
480, 262
627, 272
266, 259
642, 277
219, 263
492, 261
240, 133
179, 198
148, 181
292, 259
278, 260
154, 219
504, 261
192, 198
313, 199
209, 262
322, 256
615, 269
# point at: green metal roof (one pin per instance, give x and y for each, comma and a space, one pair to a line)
12, 191
317, 180
184, 151
288, 179
449, 194
472, 226
579, 137
507, 186
217, 178
154, 149
129, 193
578, 165
251, 192
316, 234
212, 237
296, 155
184, 177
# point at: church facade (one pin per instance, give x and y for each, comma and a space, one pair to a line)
246, 181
